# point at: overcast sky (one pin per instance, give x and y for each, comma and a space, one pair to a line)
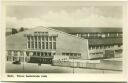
64, 16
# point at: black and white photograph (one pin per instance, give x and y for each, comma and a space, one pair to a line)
64, 37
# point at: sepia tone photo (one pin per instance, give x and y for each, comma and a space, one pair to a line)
64, 37
64, 82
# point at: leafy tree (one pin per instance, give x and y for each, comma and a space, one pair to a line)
21, 29
14, 31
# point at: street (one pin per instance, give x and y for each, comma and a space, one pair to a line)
47, 68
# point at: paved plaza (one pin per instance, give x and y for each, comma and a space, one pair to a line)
47, 68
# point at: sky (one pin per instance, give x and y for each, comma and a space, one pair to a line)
30, 16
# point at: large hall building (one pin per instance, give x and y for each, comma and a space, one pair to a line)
46, 43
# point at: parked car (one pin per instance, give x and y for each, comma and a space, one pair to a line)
16, 62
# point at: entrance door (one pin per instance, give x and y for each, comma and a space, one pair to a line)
46, 60
42, 58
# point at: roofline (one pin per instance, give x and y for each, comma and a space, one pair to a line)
89, 29
49, 29
84, 27
62, 32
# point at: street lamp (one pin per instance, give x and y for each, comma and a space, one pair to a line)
73, 64
24, 55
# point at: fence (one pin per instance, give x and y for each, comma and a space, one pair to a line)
104, 64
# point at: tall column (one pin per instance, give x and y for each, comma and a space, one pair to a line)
41, 41
44, 42
24, 55
30, 42
37, 42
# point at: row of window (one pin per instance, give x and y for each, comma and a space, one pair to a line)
103, 46
41, 38
119, 51
40, 54
72, 54
15, 53
96, 53
99, 35
41, 45
40, 33
20, 53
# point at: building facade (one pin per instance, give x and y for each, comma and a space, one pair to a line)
41, 44
44, 43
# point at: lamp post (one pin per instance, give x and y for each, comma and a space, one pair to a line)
24, 59
23, 62
73, 64
52, 55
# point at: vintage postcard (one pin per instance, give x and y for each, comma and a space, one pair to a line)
64, 82
50, 40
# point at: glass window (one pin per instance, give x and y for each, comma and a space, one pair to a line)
97, 47
54, 38
49, 54
45, 53
27, 53
54, 45
79, 54
28, 44
42, 54
46, 38
38, 53
46, 45
71, 54
39, 45
21, 53
15, 53
34, 54
54, 53
120, 34
67, 54
46, 33
28, 37
50, 38
39, 38
36, 45
9, 52
63, 54
32, 44
75, 54
35, 38
42, 38
50, 45
32, 38
43, 46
